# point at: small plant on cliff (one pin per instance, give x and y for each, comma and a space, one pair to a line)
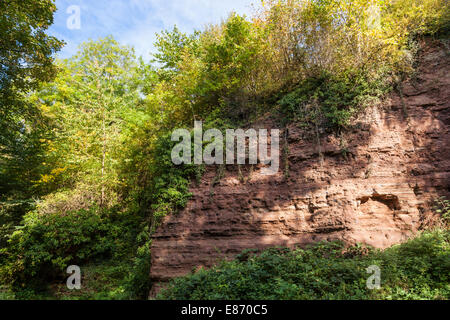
442, 206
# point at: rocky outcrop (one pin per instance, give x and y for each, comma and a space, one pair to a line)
374, 184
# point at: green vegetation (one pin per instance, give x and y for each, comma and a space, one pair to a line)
331, 102
25, 61
442, 206
85, 169
417, 269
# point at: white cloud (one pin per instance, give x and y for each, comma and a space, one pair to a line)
187, 15
135, 22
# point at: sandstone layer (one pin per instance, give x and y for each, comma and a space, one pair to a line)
373, 184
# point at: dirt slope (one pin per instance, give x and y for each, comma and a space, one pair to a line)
373, 185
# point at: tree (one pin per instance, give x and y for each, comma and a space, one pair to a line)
91, 107
25, 49
25, 61
171, 45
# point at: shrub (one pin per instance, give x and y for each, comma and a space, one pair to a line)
46, 245
417, 269
11, 213
137, 283
442, 207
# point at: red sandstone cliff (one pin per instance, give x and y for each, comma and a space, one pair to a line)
374, 184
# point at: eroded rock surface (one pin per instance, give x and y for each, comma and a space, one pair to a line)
373, 184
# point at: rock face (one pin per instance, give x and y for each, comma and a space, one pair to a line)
373, 184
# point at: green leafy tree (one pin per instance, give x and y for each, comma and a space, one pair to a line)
25, 61
171, 46
91, 106
25, 49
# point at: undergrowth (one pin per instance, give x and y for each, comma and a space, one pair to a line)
417, 269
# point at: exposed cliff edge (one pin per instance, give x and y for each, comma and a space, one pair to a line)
373, 184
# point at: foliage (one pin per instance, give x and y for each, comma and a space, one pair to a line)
442, 207
137, 281
358, 52
172, 46
47, 244
236, 67
170, 185
90, 108
25, 52
417, 269
22, 26
103, 280
11, 212
89, 113
330, 101
25, 60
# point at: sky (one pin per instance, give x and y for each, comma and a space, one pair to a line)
135, 22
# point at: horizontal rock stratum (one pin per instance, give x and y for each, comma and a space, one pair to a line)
373, 184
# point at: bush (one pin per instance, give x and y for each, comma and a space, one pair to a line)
46, 245
137, 282
11, 213
417, 269
442, 207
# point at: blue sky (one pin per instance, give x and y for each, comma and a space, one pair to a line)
135, 22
